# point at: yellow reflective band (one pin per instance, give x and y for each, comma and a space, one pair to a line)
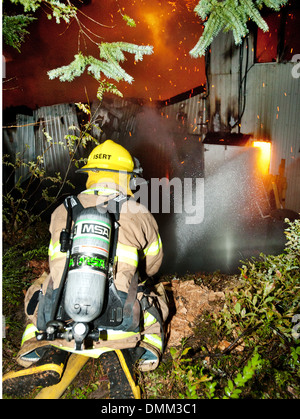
154, 248
149, 319
30, 330
54, 250
100, 191
50, 249
112, 335
29, 333
127, 254
154, 340
118, 334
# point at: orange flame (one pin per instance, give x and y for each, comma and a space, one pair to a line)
265, 155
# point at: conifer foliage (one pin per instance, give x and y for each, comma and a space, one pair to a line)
110, 54
226, 15
229, 15
14, 29
58, 9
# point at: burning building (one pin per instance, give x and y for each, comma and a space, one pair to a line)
231, 119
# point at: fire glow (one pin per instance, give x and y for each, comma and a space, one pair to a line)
170, 27
265, 155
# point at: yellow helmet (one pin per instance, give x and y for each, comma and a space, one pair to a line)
109, 156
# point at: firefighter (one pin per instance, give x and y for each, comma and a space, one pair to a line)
109, 168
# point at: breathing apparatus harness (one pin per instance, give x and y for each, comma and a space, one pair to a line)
87, 293
89, 271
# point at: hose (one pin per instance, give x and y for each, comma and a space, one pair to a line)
74, 365
135, 388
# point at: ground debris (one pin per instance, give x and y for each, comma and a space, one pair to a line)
189, 302
38, 267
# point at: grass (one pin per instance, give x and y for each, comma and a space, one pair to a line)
248, 349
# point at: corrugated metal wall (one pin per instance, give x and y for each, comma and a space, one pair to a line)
272, 105
28, 138
225, 75
190, 114
113, 119
273, 112
266, 96
55, 120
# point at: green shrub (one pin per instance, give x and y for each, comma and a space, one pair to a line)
17, 274
268, 295
260, 315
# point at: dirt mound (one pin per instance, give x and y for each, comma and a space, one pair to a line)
189, 302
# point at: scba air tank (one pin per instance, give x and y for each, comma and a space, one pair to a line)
88, 265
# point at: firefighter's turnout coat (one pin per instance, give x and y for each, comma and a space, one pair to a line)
138, 241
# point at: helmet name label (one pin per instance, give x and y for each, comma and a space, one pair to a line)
102, 156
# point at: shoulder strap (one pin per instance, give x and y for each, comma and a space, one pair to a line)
73, 205
114, 206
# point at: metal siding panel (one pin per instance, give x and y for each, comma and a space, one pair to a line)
192, 107
56, 120
25, 144
20, 140
269, 87
122, 112
272, 106
9, 141
278, 107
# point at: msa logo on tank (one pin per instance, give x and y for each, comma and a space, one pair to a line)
98, 229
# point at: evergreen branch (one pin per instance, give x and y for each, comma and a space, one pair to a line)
29, 5
230, 15
69, 72
108, 69
210, 31
129, 21
105, 87
272, 4
254, 15
59, 10
13, 29
111, 54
